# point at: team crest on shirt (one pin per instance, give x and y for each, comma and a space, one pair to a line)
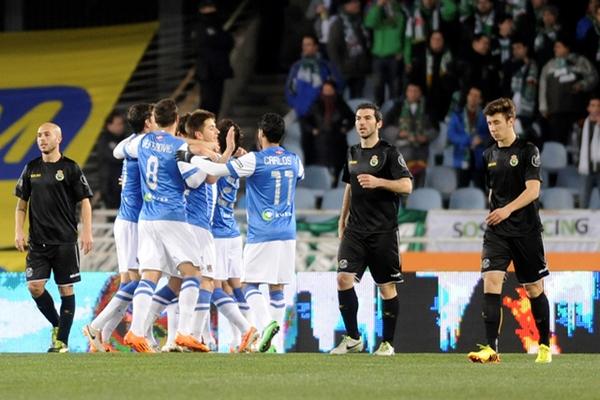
485, 263
59, 175
514, 161
374, 161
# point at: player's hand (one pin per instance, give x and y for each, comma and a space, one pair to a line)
183, 156
367, 181
497, 216
86, 242
20, 241
230, 140
240, 152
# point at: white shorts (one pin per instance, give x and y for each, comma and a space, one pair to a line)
229, 258
269, 262
163, 245
126, 242
204, 247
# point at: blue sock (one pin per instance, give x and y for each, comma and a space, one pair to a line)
164, 295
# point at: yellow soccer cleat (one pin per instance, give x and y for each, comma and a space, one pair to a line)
485, 355
544, 355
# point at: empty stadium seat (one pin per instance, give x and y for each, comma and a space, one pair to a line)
332, 200
305, 199
353, 103
467, 199
317, 177
554, 156
442, 178
557, 198
594, 199
568, 177
424, 199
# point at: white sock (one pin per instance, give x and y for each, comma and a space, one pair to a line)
201, 313
110, 325
115, 307
187, 302
142, 299
229, 308
172, 322
259, 306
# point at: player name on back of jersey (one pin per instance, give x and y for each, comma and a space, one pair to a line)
160, 147
277, 160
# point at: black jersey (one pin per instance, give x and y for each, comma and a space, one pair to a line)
53, 191
507, 169
374, 210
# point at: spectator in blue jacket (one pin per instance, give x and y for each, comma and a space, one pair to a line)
468, 132
306, 77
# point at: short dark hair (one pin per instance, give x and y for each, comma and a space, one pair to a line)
311, 36
181, 131
165, 112
371, 106
272, 126
111, 117
223, 127
138, 114
196, 120
503, 105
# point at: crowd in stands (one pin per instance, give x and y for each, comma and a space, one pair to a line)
432, 65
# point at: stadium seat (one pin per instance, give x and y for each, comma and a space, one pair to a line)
332, 200
557, 198
442, 178
594, 199
316, 177
467, 199
387, 106
353, 103
554, 156
305, 199
568, 177
438, 145
424, 199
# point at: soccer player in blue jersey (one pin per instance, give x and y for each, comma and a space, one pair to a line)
125, 230
165, 245
201, 125
269, 255
228, 295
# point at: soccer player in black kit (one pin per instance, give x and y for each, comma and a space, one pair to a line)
51, 186
375, 175
514, 230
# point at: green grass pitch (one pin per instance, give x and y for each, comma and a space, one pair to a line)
294, 376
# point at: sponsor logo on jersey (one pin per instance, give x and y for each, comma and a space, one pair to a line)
268, 215
374, 161
514, 161
59, 175
352, 162
148, 197
35, 175
535, 160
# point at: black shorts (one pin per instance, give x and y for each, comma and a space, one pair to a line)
62, 259
378, 251
526, 253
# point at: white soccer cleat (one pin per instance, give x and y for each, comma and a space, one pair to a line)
173, 348
348, 345
93, 336
385, 349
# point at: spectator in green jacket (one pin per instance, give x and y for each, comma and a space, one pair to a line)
387, 19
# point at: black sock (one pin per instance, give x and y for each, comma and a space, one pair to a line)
45, 303
390, 316
492, 310
67, 312
541, 312
349, 309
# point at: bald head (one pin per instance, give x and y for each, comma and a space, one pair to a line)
49, 137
